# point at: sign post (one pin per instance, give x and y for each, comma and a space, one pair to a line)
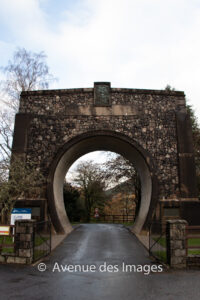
20, 214
4, 230
96, 213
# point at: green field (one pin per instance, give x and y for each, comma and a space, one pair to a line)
9, 240
161, 255
194, 242
162, 241
191, 241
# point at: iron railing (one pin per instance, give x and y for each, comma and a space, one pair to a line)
158, 241
114, 218
192, 240
42, 240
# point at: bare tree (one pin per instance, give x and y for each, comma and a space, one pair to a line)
6, 130
27, 71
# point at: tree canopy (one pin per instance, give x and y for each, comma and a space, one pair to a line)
72, 204
89, 178
196, 142
119, 170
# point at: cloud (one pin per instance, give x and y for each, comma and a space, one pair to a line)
132, 43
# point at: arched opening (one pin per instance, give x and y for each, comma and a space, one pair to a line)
93, 141
102, 187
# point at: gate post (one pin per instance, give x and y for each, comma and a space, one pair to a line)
176, 248
24, 240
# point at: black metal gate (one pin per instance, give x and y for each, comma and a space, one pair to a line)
42, 240
158, 241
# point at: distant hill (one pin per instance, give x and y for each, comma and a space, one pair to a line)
122, 187
121, 199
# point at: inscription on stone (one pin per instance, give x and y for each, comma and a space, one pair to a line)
102, 94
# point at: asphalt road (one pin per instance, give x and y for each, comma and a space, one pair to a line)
98, 261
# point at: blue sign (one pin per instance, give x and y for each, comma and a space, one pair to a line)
21, 211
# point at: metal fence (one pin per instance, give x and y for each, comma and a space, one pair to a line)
42, 240
192, 240
157, 241
115, 219
7, 243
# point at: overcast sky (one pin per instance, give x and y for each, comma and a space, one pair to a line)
131, 43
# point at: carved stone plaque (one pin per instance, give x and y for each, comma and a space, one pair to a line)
102, 93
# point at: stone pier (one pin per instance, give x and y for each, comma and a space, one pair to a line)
24, 243
176, 248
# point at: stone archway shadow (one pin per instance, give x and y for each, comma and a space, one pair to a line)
105, 141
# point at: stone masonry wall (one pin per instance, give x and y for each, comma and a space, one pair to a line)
146, 116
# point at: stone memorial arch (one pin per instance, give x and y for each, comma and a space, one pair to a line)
151, 128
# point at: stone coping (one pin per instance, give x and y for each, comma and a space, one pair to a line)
91, 90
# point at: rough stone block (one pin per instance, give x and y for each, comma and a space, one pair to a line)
29, 229
10, 260
22, 237
26, 237
26, 245
29, 237
29, 260
180, 252
176, 244
17, 236
176, 260
2, 259
20, 229
179, 266
25, 252
20, 260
